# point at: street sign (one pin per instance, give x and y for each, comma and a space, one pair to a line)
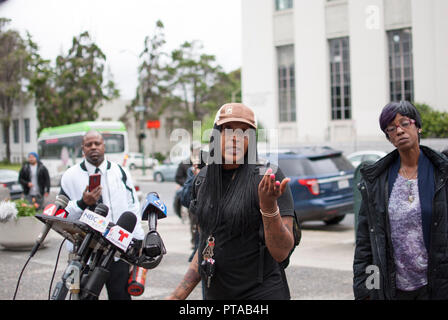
139, 108
153, 124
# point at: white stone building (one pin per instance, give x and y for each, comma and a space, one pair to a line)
22, 133
320, 71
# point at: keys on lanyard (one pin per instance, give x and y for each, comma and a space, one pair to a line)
208, 263
207, 253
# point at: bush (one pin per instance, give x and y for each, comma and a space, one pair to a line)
24, 208
434, 123
159, 156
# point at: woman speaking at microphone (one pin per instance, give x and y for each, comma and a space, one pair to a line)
234, 203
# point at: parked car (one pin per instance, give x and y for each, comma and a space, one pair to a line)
10, 179
367, 155
165, 171
135, 160
321, 182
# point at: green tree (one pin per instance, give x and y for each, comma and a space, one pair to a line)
152, 92
43, 88
434, 123
187, 83
152, 84
151, 89
226, 89
74, 89
192, 75
14, 67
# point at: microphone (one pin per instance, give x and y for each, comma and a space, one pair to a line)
153, 209
50, 210
127, 221
101, 210
136, 281
84, 251
56, 209
78, 265
118, 236
153, 247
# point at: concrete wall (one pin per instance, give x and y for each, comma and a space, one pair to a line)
312, 71
430, 41
369, 66
259, 73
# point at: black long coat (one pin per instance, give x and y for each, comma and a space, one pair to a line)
373, 241
43, 178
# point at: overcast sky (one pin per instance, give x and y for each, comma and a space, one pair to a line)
120, 27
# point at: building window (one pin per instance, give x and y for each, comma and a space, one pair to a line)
15, 130
26, 125
286, 83
401, 77
340, 79
283, 4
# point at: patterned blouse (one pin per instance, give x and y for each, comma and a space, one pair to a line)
410, 255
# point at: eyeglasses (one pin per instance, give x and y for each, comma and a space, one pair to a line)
403, 124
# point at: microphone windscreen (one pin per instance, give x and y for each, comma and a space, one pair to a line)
127, 221
153, 204
61, 201
102, 209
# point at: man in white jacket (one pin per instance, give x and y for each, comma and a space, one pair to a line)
116, 191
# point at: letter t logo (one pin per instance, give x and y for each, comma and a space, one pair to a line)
122, 235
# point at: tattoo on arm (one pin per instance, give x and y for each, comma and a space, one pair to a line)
279, 235
190, 280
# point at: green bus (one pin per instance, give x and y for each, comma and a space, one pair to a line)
60, 147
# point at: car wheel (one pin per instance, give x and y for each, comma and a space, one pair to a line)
158, 177
334, 220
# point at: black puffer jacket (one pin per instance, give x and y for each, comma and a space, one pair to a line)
43, 178
373, 241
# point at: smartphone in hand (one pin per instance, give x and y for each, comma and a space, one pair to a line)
94, 181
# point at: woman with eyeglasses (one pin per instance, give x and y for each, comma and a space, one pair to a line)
401, 241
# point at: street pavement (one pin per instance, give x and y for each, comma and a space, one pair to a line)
320, 267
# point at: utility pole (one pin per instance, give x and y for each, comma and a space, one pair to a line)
141, 109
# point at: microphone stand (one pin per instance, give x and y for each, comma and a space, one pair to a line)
97, 279
70, 280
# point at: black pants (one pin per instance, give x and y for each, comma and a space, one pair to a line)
419, 294
116, 285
